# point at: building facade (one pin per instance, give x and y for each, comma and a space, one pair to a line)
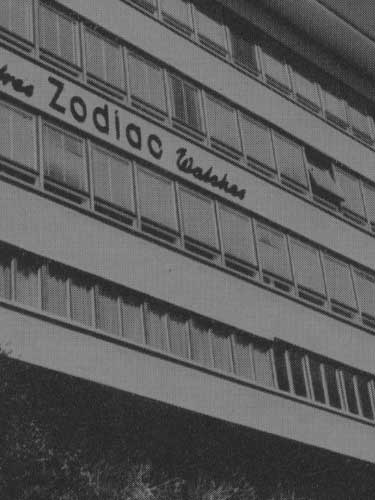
188, 207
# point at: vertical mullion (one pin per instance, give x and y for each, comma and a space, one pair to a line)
292, 271
324, 380
309, 383
90, 173
256, 248
357, 396
278, 174
179, 217
342, 390
219, 233
136, 197
289, 371
124, 52
371, 387
40, 149
252, 360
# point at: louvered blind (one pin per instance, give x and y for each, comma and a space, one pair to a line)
364, 397
221, 349
106, 308
156, 327
317, 379
244, 51
27, 281
275, 68
369, 194
351, 190
177, 10
339, 282
296, 360
58, 34
237, 235
290, 159
198, 216
360, 122
365, 292
307, 267
178, 334
257, 141
273, 251
131, 317
81, 300
104, 59
5, 276
200, 342
242, 354
17, 141
54, 290
210, 25
185, 101
113, 178
15, 16
222, 123
147, 82
350, 391
263, 364
335, 108
332, 386
156, 196
306, 88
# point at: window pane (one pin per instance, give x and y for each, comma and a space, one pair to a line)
210, 26
156, 196
298, 375
339, 282
307, 266
275, 68
351, 190
289, 157
365, 286
64, 158
323, 182
185, 101
263, 364
364, 397
242, 356
243, 50
237, 235
200, 342
177, 10
146, 4
81, 300
58, 34
106, 309
17, 136
317, 380
222, 123
273, 252
104, 59
178, 334
147, 82
369, 193
113, 178
54, 290
221, 349
15, 16
27, 288
281, 368
156, 327
360, 122
198, 215
332, 386
306, 88
257, 142
5, 273
131, 316
335, 108
351, 397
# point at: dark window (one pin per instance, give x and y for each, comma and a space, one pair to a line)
5, 273
281, 368
364, 397
323, 182
298, 374
332, 386
351, 397
244, 50
185, 101
317, 380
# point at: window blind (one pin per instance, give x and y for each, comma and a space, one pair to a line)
16, 17
185, 101
351, 190
339, 282
222, 123
177, 10
366, 292
273, 252
27, 281
104, 59
257, 142
54, 290
156, 327
81, 300
290, 159
106, 306
178, 334
307, 266
237, 235
17, 141
242, 354
221, 349
131, 317
147, 82
200, 342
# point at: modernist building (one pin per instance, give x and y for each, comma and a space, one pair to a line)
187, 202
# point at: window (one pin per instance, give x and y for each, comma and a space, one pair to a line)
15, 16
200, 342
339, 282
131, 318
17, 141
290, 160
350, 391
211, 28
149, 5
54, 289
276, 69
335, 108
364, 397
273, 253
177, 12
242, 355
263, 364
5, 273
222, 123
178, 334
237, 235
257, 143
323, 183
332, 386
365, 292
156, 327
307, 267
244, 49
81, 306
106, 308
64, 160
198, 217
296, 359
279, 354
221, 349
306, 89
58, 34
113, 179
104, 59
185, 103
369, 194
146, 83
27, 281
360, 123
157, 199
317, 382
351, 189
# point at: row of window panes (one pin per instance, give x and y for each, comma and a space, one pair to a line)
266, 150
59, 37
167, 209
63, 292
